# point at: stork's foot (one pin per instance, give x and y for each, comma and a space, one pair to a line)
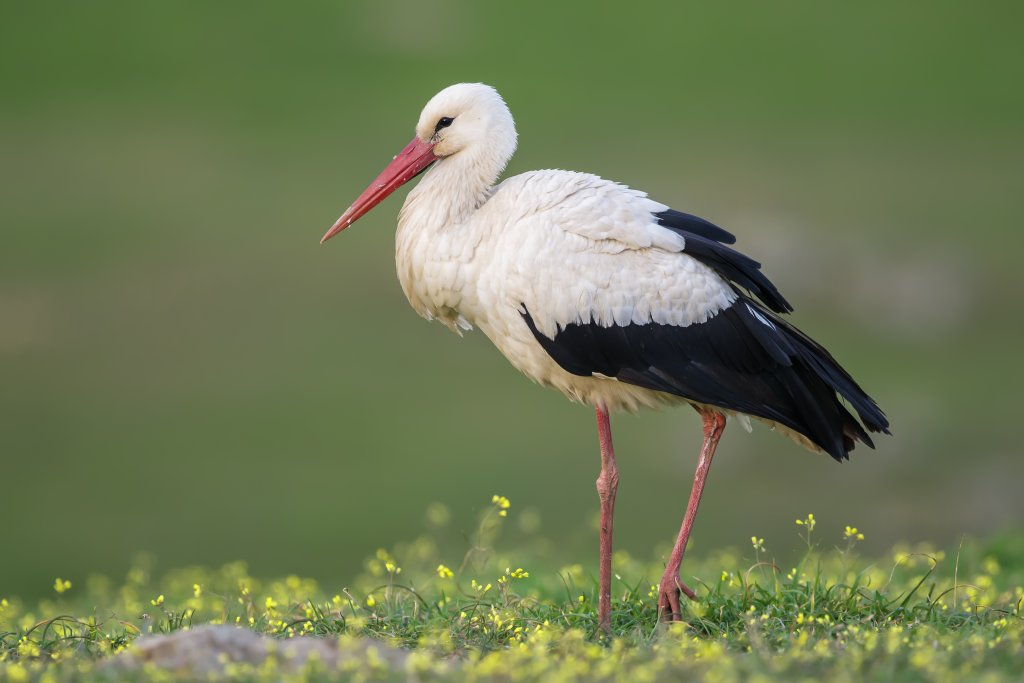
668, 596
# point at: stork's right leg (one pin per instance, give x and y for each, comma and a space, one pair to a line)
607, 485
671, 585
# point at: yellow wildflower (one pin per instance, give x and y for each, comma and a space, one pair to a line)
16, 673
438, 514
28, 648
809, 521
444, 572
502, 503
61, 585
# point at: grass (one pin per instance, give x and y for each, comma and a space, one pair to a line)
919, 614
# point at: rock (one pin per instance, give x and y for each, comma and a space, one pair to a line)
213, 649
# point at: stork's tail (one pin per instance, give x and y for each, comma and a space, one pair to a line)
818, 387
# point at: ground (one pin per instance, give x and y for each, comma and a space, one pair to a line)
918, 614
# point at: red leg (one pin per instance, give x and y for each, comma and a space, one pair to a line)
671, 586
607, 485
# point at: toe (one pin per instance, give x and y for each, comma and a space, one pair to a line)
668, 603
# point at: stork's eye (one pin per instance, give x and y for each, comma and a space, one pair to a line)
443, 122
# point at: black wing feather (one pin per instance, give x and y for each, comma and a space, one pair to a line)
743, 358
704, 242
694, 225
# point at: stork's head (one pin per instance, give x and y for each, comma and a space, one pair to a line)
467, 117
464, 123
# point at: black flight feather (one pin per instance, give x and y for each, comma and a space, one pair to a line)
744, 358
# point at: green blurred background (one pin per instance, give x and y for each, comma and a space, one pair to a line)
184, 371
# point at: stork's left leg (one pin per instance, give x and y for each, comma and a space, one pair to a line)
607, 485
671, 585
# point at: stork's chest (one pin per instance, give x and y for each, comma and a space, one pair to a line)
438, 271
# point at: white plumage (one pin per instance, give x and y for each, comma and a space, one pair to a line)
570, 247
617, 301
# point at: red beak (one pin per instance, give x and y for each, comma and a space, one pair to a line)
416, 156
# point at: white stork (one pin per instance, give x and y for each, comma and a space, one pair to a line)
614, 299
